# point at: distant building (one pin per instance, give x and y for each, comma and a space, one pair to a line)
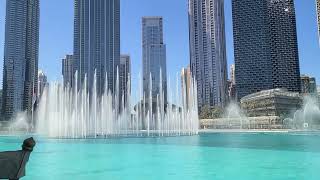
21, 46
208, 60
186, 85
273, 102
67, 70
231, 91
0, 103
232, 74
308, 85
232, 84
318, 15
318, 93
42, 83
154, 58
97, 42
125, 77
265, 46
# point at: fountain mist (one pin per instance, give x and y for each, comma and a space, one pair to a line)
66, 112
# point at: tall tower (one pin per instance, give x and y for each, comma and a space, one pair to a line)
67, 70
318, 17
20, 70
97, 42
125, 77
265, 43
186, 85
154, 58
208, 51
42, 83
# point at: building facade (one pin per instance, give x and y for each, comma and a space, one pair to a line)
125, 77
232, 84
97, 42
0, 103
20, 70
186, 85
308, 85
273, 102
318, 17
208, 51
42, 83
154, 58
67, 70
266, 48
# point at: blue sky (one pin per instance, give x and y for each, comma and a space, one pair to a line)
56, 34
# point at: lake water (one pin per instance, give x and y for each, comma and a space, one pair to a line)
230, 156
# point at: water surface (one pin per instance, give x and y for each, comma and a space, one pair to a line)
206, 156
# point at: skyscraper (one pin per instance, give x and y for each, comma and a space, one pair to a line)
42, 83
186, 85
318, 17
265, 46
232, 84
208, 51
20, 70
232, 74
154, 58
97, 42
308, 85
0, 103
125, 76
67, 70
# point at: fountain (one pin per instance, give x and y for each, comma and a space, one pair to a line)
20, 123
232, 118
235, 116
306, 118
66, 112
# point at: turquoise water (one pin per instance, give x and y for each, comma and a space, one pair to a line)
207, 156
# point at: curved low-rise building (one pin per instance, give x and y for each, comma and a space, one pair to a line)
273, 102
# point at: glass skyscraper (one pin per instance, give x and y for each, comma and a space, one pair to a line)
97, 42
67, 70
208, 51
20, 70
125, 77
154, 57
265, 46
318, 17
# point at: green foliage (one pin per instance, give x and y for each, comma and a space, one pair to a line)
208, 112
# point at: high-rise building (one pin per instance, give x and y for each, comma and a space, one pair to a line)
308, 85
125, 77
154, 58
232, 84
232, 74
208, 51
42, 83
20, 70
97, 42
0, 103
67, 70
318, 17
186, 85
265, 46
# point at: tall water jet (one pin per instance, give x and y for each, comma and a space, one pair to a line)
66, 112
308, 117
235, 116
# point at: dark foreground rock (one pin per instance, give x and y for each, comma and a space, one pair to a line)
13, 163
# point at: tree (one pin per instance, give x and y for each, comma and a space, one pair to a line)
205, 112
208, 112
